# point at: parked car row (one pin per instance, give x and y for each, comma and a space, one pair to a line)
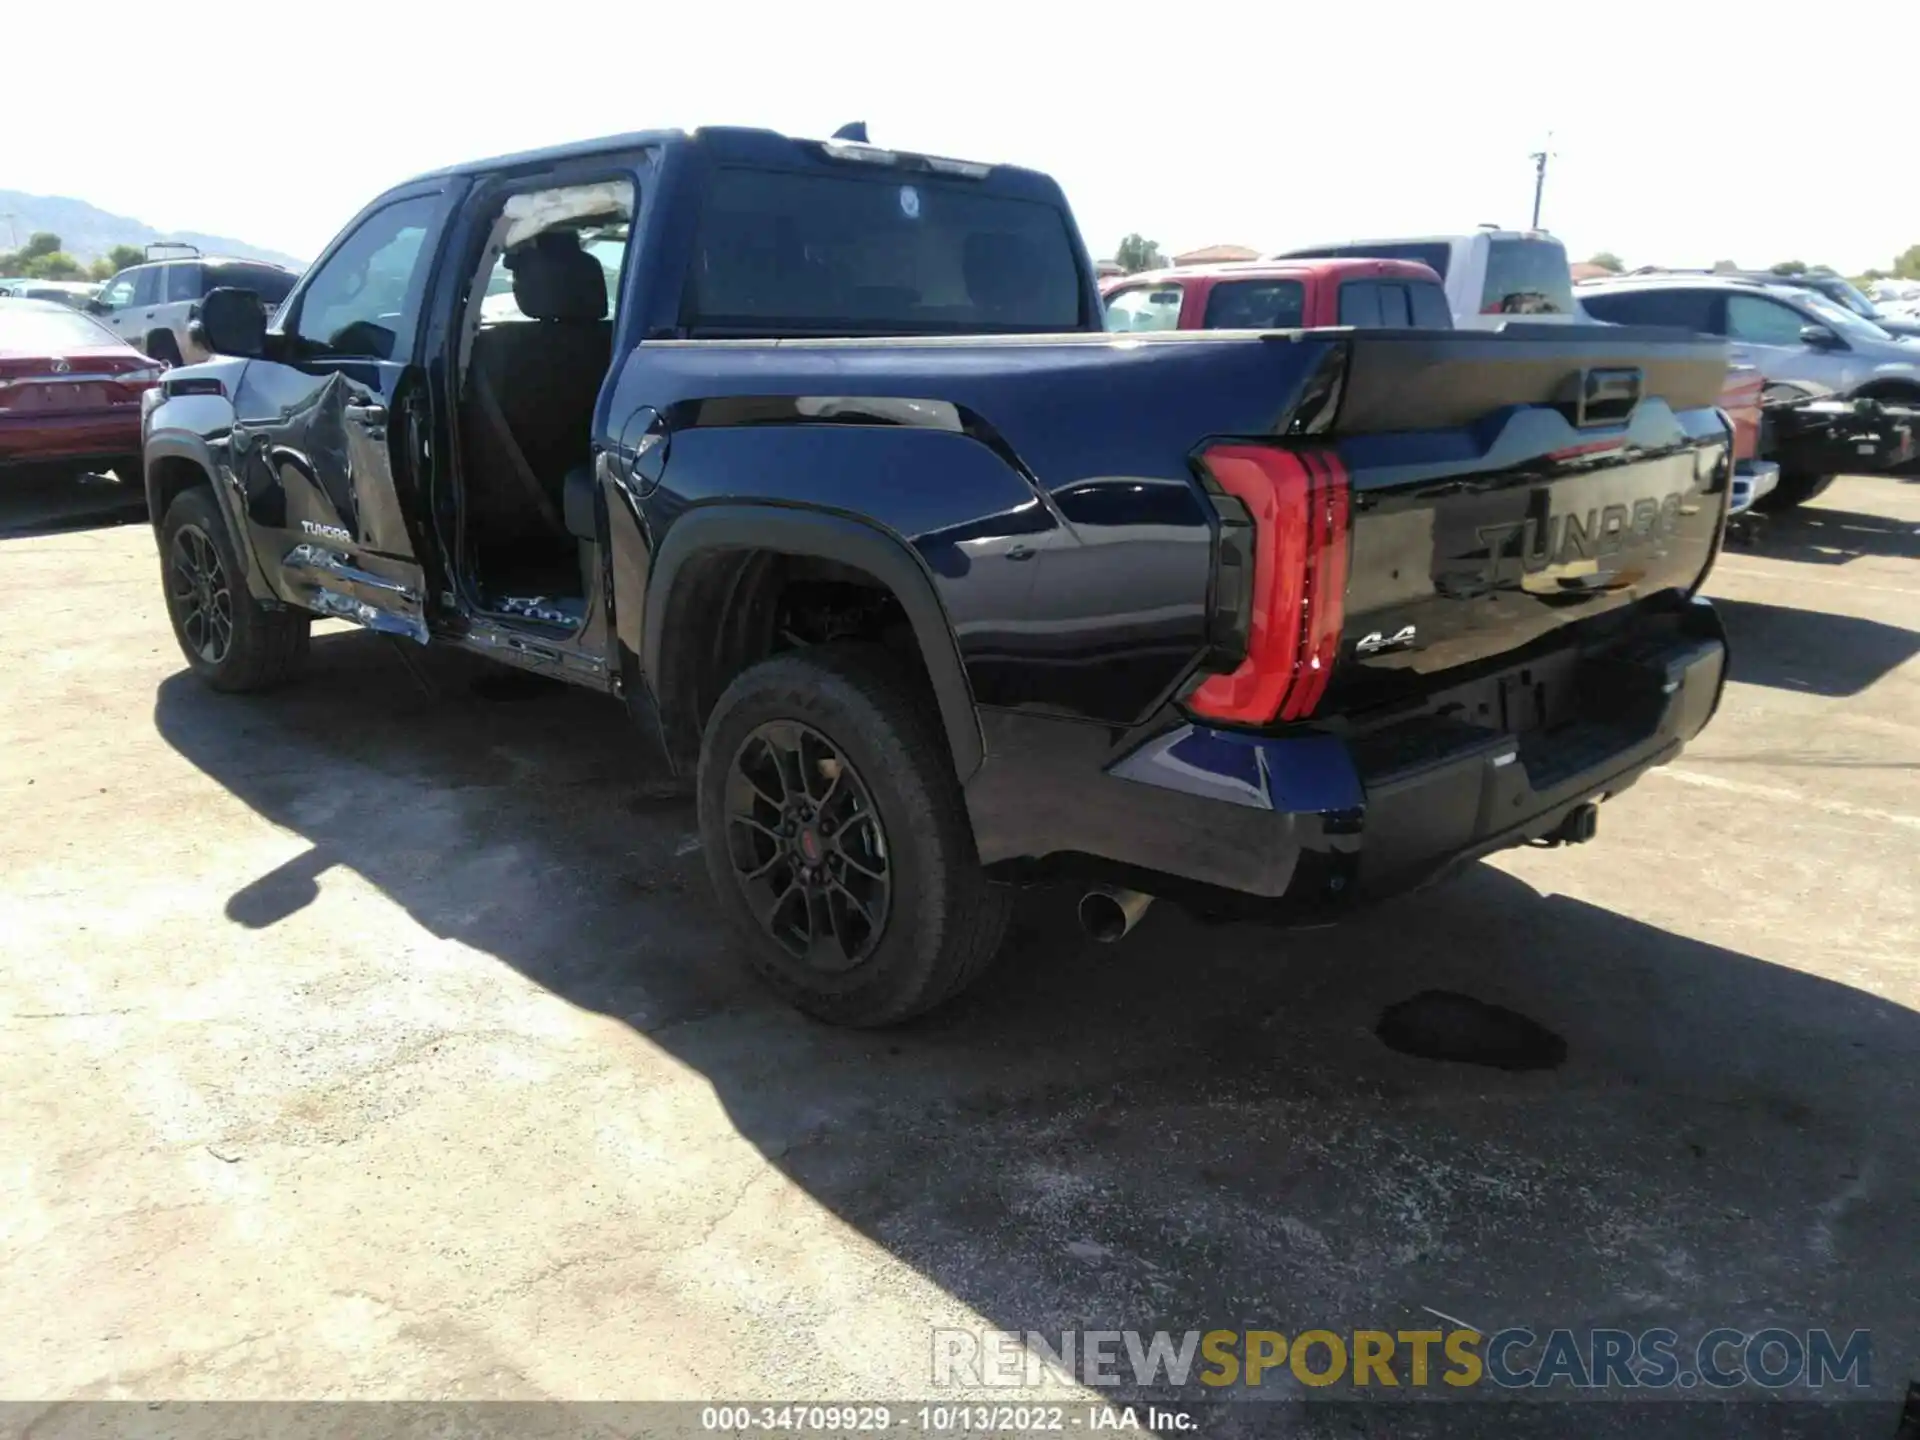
75, 358
1496, 277
1839, 380
70, 391
152, 305
68, 292
1841, 391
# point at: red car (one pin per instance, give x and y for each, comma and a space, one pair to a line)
1280, 295
69, 391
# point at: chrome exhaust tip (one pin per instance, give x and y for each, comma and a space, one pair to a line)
1108, 913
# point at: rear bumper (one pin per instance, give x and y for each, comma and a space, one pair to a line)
1831, 437
1753, 480
69, 439
1310, 826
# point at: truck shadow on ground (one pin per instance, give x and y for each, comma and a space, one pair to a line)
39, 503
1811, 651
1196, 1128
1816, 536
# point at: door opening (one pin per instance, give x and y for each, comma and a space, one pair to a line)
535, 350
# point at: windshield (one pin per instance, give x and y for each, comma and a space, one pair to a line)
41, 331
1846, 294
1841, 318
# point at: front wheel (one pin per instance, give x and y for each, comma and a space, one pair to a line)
837, 839
231, 640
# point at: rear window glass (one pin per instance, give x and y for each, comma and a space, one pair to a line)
1257, 305
270, 284
1145, 307
1431, 253
1394, 305
913, 255
1527, 277
48, 331
1676, 308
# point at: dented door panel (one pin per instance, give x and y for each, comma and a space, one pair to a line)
315, 450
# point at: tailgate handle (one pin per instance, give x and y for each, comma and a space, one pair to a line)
1608, 396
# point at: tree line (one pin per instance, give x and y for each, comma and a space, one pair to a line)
42, 258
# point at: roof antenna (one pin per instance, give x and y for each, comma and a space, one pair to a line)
856, 131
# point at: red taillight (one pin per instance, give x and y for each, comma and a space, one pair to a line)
1297, 500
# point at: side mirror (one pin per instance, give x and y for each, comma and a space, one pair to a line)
233, 322
96, 306
1819, 337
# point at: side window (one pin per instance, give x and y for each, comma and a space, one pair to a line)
1430, 308
1671, 307
146, 285
364, 295
606, 243
1360, 304
1760, 321
1256, 305
1145, 307
119, 290
183, 281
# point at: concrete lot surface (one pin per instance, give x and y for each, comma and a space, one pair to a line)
378, 1038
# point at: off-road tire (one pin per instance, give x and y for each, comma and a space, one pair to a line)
266, 646
945, 920
1793, 489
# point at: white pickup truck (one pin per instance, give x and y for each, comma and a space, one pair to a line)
1490, 275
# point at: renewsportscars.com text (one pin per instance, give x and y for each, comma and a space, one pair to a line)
1720, 1360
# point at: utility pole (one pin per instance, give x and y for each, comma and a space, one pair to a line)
1540, 158
13, 235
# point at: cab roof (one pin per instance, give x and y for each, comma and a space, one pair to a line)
735, 143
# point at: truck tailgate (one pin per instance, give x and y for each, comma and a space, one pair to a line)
1506, 485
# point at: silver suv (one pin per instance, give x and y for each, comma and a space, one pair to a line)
1798, 339
149, 305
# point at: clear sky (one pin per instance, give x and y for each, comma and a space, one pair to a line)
1682, 134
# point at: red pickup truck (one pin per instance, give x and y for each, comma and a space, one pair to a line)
1280, 295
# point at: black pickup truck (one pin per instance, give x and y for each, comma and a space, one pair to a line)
816, 457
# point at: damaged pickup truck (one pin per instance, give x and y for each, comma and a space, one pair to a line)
815, 456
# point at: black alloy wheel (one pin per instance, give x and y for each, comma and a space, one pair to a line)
807, 846
202, 598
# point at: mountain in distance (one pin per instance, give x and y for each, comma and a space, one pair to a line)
87, 232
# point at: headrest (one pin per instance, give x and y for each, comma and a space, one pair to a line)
554, 279
1002, 271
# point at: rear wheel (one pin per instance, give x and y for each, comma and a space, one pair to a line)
231, 640
1793, 489
162, 346
837, 839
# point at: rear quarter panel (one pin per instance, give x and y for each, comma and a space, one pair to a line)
1045, 486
